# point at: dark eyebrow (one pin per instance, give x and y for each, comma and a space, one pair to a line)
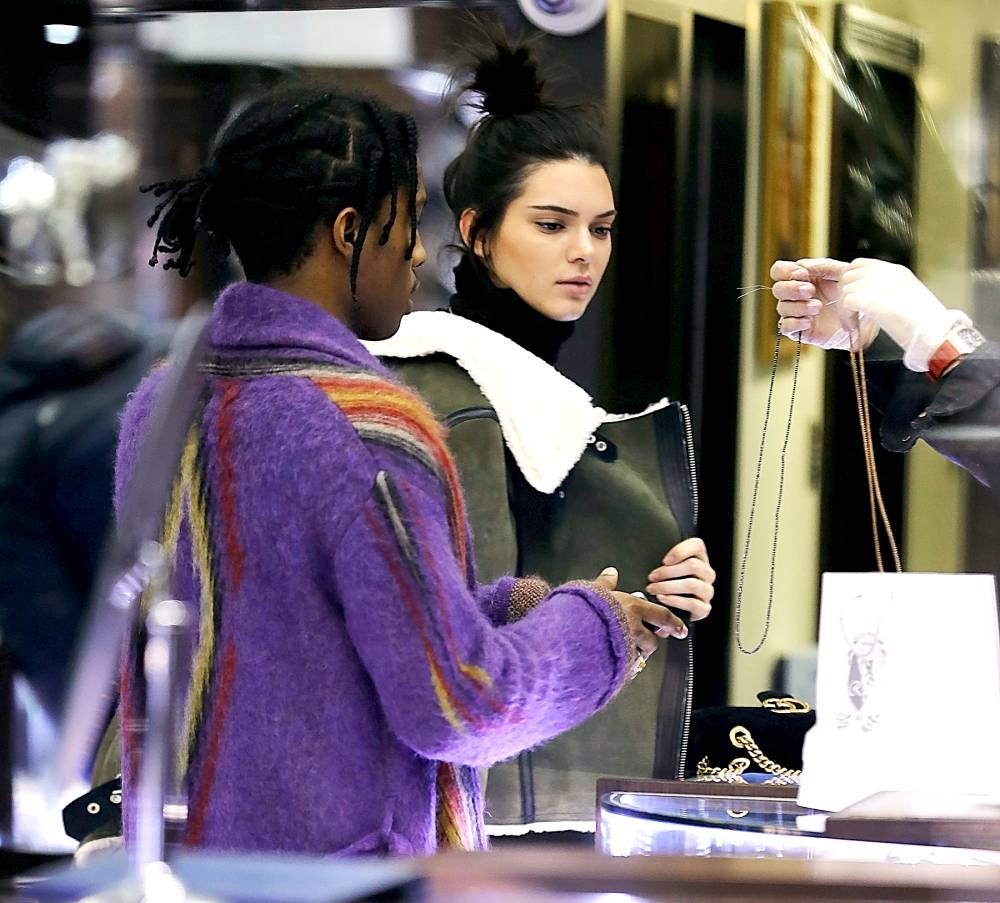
554, 209
567, 212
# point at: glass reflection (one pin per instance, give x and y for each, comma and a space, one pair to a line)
892, 151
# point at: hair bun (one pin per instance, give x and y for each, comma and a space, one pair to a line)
508, 81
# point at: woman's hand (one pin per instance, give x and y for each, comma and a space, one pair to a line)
685, 579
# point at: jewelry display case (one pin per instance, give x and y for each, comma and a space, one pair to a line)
762, 821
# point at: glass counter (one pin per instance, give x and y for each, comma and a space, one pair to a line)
734, 825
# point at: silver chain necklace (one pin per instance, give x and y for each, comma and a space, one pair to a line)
777, 508
876, 503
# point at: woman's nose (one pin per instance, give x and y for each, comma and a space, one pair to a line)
582, 248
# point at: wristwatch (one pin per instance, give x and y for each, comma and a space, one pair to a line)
961, 340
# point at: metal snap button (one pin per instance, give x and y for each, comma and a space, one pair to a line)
561, 493
601, 445
591, 439
93, 808
116, 797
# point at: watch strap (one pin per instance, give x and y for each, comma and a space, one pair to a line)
962, 339
942, 360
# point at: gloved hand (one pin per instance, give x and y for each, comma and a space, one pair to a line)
833, 304
809, 304
891, 296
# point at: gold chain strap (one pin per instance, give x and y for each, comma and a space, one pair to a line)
731, 774
786, 705
740, 737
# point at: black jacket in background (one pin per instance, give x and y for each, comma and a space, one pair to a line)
959, 416
63, 380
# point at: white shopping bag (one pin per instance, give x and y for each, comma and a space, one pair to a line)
907, 688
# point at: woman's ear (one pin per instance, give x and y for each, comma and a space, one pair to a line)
345, 231
465, 223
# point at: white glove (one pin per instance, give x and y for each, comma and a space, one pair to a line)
809, 305
891, 296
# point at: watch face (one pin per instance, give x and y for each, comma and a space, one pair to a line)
966, 339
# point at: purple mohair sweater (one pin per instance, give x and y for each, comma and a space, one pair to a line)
345, 650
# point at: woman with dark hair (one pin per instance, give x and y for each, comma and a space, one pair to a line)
551, 479
349, 672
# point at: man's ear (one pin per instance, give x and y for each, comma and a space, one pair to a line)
344, 231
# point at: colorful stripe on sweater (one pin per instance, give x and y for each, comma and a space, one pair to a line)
384, 412
459, 819
459, 816
399, 517
191, 505
380, 410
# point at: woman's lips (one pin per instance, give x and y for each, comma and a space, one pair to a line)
576, 288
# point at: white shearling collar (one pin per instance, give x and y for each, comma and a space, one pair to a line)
546, 419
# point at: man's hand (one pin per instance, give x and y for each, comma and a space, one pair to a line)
685, 579
638, 610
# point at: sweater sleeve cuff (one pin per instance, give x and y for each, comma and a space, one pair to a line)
632, 650
526, 594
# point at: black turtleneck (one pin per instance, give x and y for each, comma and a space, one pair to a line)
503, 311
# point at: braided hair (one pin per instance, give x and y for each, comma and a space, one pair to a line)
521, 127
283, 168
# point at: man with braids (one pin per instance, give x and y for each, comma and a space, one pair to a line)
349, 674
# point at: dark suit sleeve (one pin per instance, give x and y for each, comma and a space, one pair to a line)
959, 416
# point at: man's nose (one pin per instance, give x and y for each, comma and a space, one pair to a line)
419, 253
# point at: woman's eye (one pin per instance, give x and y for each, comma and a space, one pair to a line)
602, 231
550, 226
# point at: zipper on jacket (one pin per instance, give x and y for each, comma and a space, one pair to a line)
686, 727
480, 412
688, 702
689, 447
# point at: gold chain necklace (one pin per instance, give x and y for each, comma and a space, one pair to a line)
874, 490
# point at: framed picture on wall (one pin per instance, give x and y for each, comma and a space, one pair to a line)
987, 195
788, 109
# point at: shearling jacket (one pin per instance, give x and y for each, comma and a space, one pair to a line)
557, 486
